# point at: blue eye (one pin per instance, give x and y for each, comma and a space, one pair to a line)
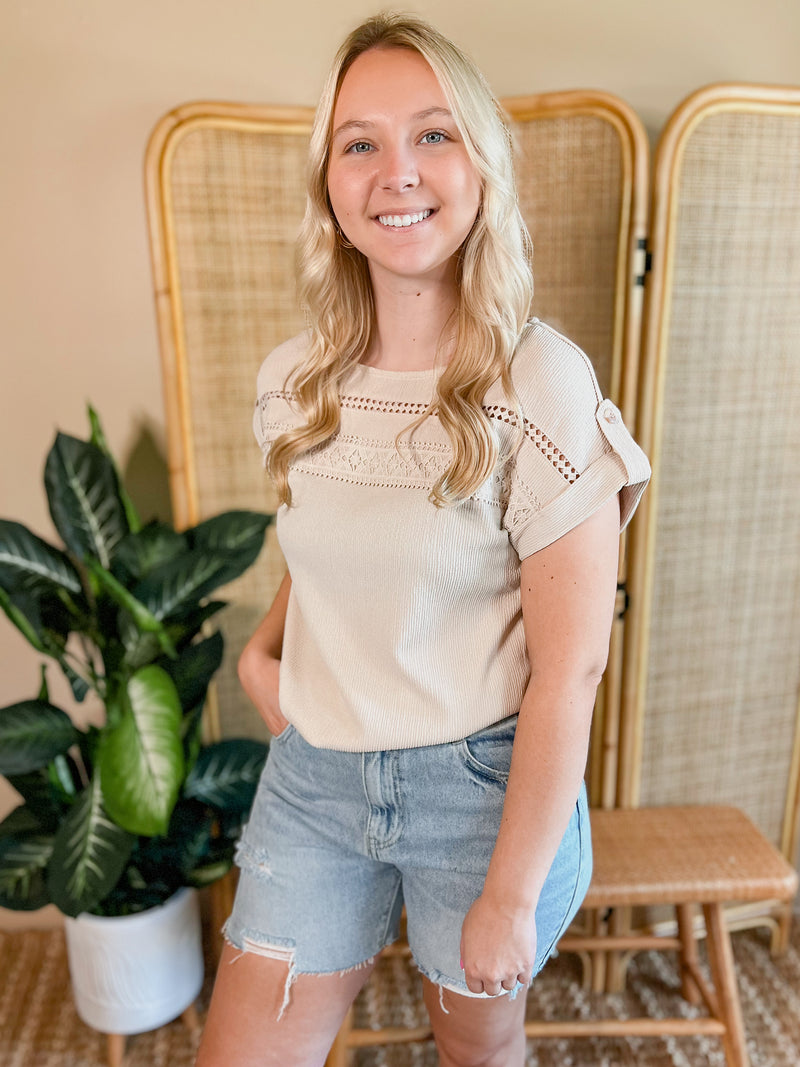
359, 147
434, 137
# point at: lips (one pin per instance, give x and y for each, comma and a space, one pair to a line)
404, 221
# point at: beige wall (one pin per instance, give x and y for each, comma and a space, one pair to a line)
82, 84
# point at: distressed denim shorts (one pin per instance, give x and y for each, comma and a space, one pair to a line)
338, 842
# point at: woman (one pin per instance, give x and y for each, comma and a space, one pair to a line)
452, 487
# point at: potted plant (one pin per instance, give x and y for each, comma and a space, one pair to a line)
117, 819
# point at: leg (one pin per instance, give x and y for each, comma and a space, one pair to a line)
476, 1031
243, 1027
685, 916
116, 1050
339, 1055
191, 1020
720, 958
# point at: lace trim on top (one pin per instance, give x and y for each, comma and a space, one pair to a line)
540, 440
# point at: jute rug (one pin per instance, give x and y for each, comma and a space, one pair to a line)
39, 1026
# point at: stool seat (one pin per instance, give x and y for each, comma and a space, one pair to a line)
680, 855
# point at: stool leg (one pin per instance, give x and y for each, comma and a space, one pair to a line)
599, 958
617, 961
116, 1050
689, 955
339, 1055
720, 958
783, 931
191, 1020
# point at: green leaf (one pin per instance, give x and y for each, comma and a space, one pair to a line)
36, 791
98, 438
28, 563
139, 553
181, 584
190, 835
192, 733
31, 734
89, 854
207, 873
23, 862
19, 822
221, 549
226, 774
194, 668
141, 757
80, 687
25, 615
64, 778
84, 500
183, 627
141, 616
237, 533
44, 692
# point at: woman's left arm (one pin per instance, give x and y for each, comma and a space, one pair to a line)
568, 594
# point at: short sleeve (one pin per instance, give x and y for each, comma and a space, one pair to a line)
575, 452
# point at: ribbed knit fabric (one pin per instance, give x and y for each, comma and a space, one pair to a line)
404, 625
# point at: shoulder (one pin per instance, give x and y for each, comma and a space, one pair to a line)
281, 362
556, 389
548, 366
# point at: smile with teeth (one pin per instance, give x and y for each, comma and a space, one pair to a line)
404, 220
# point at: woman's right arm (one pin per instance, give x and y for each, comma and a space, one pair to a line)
260, 661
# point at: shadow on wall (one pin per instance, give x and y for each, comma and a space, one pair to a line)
146, 475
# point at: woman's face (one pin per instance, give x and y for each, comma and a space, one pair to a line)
402, 187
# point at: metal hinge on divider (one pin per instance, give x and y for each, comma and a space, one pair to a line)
644, 261
623, 600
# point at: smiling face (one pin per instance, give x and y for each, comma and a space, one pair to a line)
400, 181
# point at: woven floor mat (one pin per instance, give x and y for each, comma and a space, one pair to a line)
39, 1026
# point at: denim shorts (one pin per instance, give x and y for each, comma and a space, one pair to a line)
337, 843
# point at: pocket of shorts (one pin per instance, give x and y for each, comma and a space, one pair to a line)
487, 752
286, 732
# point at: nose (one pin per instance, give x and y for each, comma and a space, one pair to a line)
398, 169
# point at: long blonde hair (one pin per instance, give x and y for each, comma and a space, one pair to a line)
494, 277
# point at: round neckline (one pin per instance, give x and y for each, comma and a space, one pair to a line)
385, 372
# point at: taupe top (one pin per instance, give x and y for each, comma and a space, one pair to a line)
404, 624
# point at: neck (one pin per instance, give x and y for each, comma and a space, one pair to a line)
414, 324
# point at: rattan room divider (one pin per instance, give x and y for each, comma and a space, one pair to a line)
225, 192
711, 666
700, 700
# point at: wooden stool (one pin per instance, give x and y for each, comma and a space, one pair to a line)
681, 856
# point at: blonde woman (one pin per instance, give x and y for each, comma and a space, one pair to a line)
452, 488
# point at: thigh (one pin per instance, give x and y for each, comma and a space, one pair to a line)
249, 996
489, 1032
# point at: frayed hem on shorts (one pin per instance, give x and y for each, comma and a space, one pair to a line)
284, 951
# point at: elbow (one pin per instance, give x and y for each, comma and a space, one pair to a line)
578, 676
244, 662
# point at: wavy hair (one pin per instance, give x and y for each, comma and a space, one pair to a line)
494, 279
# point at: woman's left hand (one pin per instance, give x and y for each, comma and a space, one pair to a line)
498, 946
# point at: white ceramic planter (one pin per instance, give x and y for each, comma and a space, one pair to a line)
136, 972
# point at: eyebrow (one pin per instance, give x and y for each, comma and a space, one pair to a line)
363, 124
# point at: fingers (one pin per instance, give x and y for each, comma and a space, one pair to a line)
497, 987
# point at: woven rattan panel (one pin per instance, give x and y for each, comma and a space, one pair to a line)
724, 669
237, 199
570, 187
